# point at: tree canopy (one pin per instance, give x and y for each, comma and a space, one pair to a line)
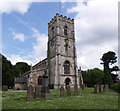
10, 71
107, 59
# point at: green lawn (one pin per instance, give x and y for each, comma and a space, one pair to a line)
85, 100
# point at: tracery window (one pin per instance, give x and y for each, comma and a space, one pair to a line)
67, 67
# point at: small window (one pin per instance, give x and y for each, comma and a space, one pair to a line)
65, 30
53, 31
39, 80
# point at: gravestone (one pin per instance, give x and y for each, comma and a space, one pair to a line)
96, 88
30, 93
4, 88
68, 90
76, 90
45, 91
38, 91
61, 91
106, 87
101, 88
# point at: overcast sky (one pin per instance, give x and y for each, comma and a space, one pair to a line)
24, 29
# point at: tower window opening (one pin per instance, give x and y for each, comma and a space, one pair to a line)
65, 30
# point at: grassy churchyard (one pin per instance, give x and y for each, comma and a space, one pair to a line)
86, 99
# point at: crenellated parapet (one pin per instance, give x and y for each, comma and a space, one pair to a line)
61, 18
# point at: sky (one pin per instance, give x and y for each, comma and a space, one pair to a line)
25, 29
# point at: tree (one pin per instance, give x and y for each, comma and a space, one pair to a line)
20, 68
7, 72
10, 71
109, 58
92, 77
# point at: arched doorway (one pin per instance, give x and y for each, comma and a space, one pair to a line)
40, 80
67, 82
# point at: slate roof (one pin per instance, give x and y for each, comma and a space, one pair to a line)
20, 79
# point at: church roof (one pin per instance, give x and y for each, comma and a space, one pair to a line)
20, 79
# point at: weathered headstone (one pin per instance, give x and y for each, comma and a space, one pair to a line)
38, 91
45, 92
101, 88
30, 93
76, 90
96, 88
68, 90
106, 87
61, 91
4, 88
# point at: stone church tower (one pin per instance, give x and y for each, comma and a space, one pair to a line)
61, 54
60, 66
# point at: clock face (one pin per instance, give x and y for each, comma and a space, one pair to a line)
66, 41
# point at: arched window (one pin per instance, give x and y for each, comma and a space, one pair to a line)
67, 67
65, 30
40, 80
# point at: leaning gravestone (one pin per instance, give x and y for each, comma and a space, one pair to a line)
38, 91
68, 90
61, 91
76, 90
106, 87
4, 88
45, 91
30, 93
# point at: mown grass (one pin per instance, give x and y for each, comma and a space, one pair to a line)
85, 100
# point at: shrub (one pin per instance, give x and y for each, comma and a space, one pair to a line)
116, 87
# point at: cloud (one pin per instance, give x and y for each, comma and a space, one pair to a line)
96, 30
40, 47
19, 36
17, 58
15, 6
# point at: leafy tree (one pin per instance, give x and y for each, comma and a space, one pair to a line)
109, 58
20, 68
10, 71
92, 77
7, 72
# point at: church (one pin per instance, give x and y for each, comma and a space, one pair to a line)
60, 66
